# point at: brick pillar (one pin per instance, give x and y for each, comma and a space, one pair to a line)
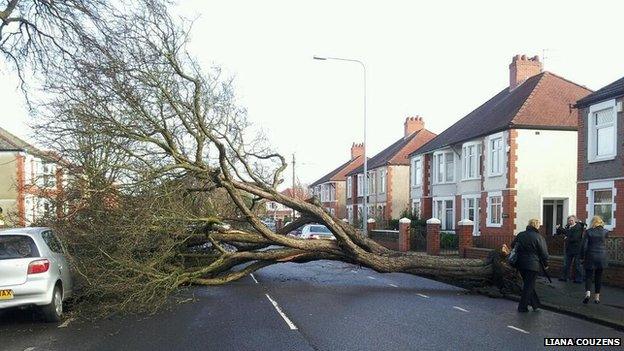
370, 226
464, 234
433, 236
279, 223
404, 234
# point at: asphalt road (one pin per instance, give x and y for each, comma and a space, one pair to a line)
316, 306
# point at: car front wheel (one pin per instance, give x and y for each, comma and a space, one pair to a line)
54, 311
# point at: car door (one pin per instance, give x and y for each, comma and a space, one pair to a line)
56, 250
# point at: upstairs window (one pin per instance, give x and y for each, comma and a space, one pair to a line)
382, 181
444, 166
360, 185
495, 155
471, 153
602, 132
416, 171
349, 187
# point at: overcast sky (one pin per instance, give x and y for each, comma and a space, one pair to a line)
436, 59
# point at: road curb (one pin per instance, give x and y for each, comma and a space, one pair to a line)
563, 310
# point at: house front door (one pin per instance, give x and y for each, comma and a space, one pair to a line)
552, 214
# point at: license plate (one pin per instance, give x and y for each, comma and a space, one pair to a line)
6, 294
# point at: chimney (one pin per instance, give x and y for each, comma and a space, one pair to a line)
521, 68
413, 124
357, 150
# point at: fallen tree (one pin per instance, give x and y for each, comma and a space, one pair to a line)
136, 92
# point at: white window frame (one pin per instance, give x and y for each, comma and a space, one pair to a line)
606, 185
349, 187
371, 185
383, 175
443, 223
360, 184
476, 163
440, 156
592, 152
501, 158
490, 195
476, 198
417, 171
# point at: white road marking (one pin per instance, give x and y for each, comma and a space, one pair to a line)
291, 325
29, 349
459, 308
423, 295
394, 286
518, 329
352, 271
373, 278
254, 278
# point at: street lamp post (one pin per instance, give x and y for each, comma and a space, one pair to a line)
365, 180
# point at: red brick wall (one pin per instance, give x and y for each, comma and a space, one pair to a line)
581, 201
426, 201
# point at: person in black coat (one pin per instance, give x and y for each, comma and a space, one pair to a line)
594, 253
532, 256
573, 236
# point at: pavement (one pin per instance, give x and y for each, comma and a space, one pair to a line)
566, 297
319, 305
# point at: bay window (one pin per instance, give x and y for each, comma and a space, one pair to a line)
444, 210
471, 161
470, 210
602, 132
349, 187
444, 167
360, 185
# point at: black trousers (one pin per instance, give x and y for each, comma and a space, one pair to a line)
597, 272
529, 296
567, 262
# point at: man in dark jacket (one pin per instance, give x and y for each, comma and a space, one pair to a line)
532, 257
573, 236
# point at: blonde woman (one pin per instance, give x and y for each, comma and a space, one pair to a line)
532, 253
594, 254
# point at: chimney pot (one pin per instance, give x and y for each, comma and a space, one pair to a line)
521, 68
412, 125
357, 150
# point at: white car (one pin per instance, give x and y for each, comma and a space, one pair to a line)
33, 271
316, 231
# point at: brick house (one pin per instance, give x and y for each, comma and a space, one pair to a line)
507, 161
278, 211
30, 180
388, 176
601, 157
331, 188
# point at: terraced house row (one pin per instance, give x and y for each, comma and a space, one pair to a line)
542, 147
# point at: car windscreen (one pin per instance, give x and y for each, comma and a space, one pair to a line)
17, 246
321, 229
